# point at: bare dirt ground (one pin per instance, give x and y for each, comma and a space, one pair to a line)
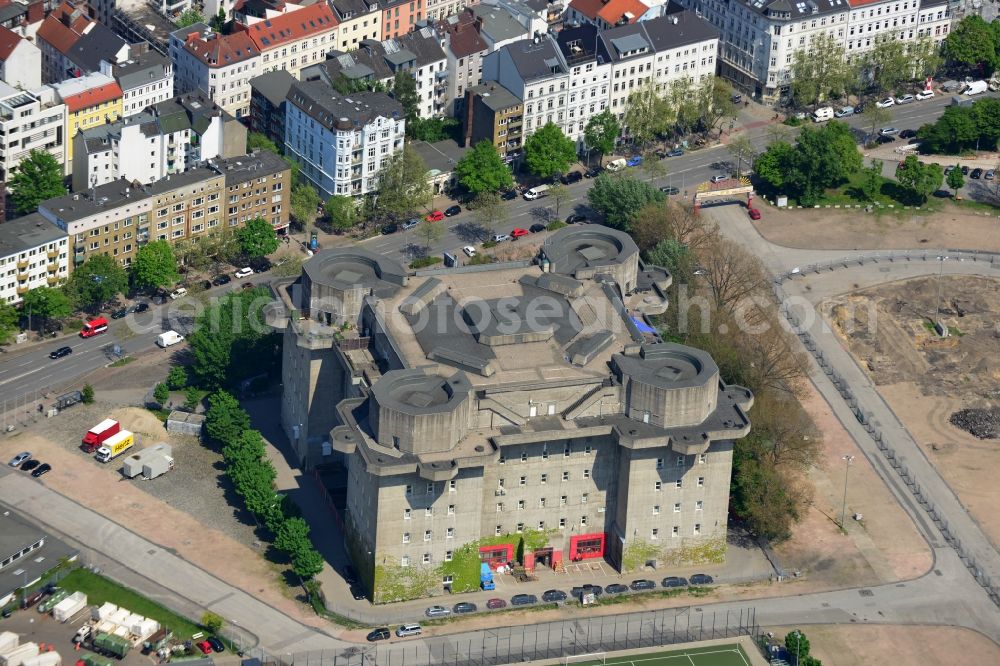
883, 547
855, 645
926, 379
833, 229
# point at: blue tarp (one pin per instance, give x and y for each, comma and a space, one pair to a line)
642, 326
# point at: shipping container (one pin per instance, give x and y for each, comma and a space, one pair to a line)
111, 645
134, 465
58, 595
95, 660
115, 446
99, 434
8, 641
44, 659
16, 656
70, 606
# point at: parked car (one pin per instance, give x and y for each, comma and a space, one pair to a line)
179, 292
844, 112
437, 611
593, 172
509, 195
965, 170
674, 581
469, 251
886, 103
494, 604
220, 280
452, 210
29, 465
536, 227
948, 169
977, 173
216, 644
701, 579
634, 161
62, 351
139, 308
990, 174
581, 590
244, 272
718, 178
204, 646
888, 138
905, 99
464, 607
754, 213
412, 629
643, 584
20, 458
576, 218
247, 285
499, 238
907, 134
380, 634
206, 285
888, 131
410, 223
518, 232
523, 600
669, 189
676, 152
553, 595
616, 588
44, 468
925, 94
434, 216
121, 313
389, 229
571, 177
261, 264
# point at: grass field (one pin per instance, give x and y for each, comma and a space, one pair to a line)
715, 655
100, 590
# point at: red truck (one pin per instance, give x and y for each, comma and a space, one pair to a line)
99, 434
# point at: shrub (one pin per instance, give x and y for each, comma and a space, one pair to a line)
161, 393
424, 262
88, 394
177, 379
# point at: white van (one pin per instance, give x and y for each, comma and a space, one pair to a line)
408, 630
616, 165
536, 192
823, 114
243, 272
169, 338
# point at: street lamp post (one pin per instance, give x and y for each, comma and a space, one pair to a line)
848, 459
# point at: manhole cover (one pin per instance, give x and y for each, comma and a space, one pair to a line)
151, 552
866, 593
937, 572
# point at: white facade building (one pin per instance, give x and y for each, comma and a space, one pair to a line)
220, 65
30, 120
295, 39
33, 253
145, 80
20, 61
341, 143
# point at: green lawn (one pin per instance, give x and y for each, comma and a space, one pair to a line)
716, 655
99, 590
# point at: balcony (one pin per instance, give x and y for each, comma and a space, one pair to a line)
22, 275
52, 280
52, 267
21, 291
22, 265
52, 254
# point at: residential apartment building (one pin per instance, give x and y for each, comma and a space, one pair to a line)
464, 48
295, 39
606, 13
268, 93
400, 16
759, 39
359, 20
595, 438
73, 44
418, 53
30, 120
493, 113
33, 253
341, 142
220, 65
167, 138
20, 61
186, 206
145, 80
92, 100
257, 185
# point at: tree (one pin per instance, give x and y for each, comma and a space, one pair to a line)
955, 180
672, 255
433, 129
430, 232
489, 212
684, 107
219, 20
715, 101
820, 70
742, 148
731, 273
342, 211
647, 114
402, 185
192, 397
617, 198
404, 91
188, 18
307, 563
154, 266
258, 141
775, 164
548, 151
209, 620
972, 43
823, 158
559, 195
920, 179
956, 130
225, 420
230, 343
874, 117
888, 64
38, 177
657, 221
305, 202
257, 238
177, 378
602, 132
161, 393
483, 170
87, 394
97, 281
925, 56
871, 180
292, 536
46, 303
797, 644
8, 321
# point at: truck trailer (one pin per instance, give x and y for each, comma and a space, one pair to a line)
115, 445
151, 462
111, 645
99, 434
16, 656
70, 606
94, 660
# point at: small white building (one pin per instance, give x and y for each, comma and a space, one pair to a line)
341, 142
145, 80
220, 65
30, 120
33, 253
20, 61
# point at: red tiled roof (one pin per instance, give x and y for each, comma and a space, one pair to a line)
9, 40
464, 39
92, 97
610, 12
64, 26
292, 26
221, 50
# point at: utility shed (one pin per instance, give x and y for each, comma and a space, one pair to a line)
185, 423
